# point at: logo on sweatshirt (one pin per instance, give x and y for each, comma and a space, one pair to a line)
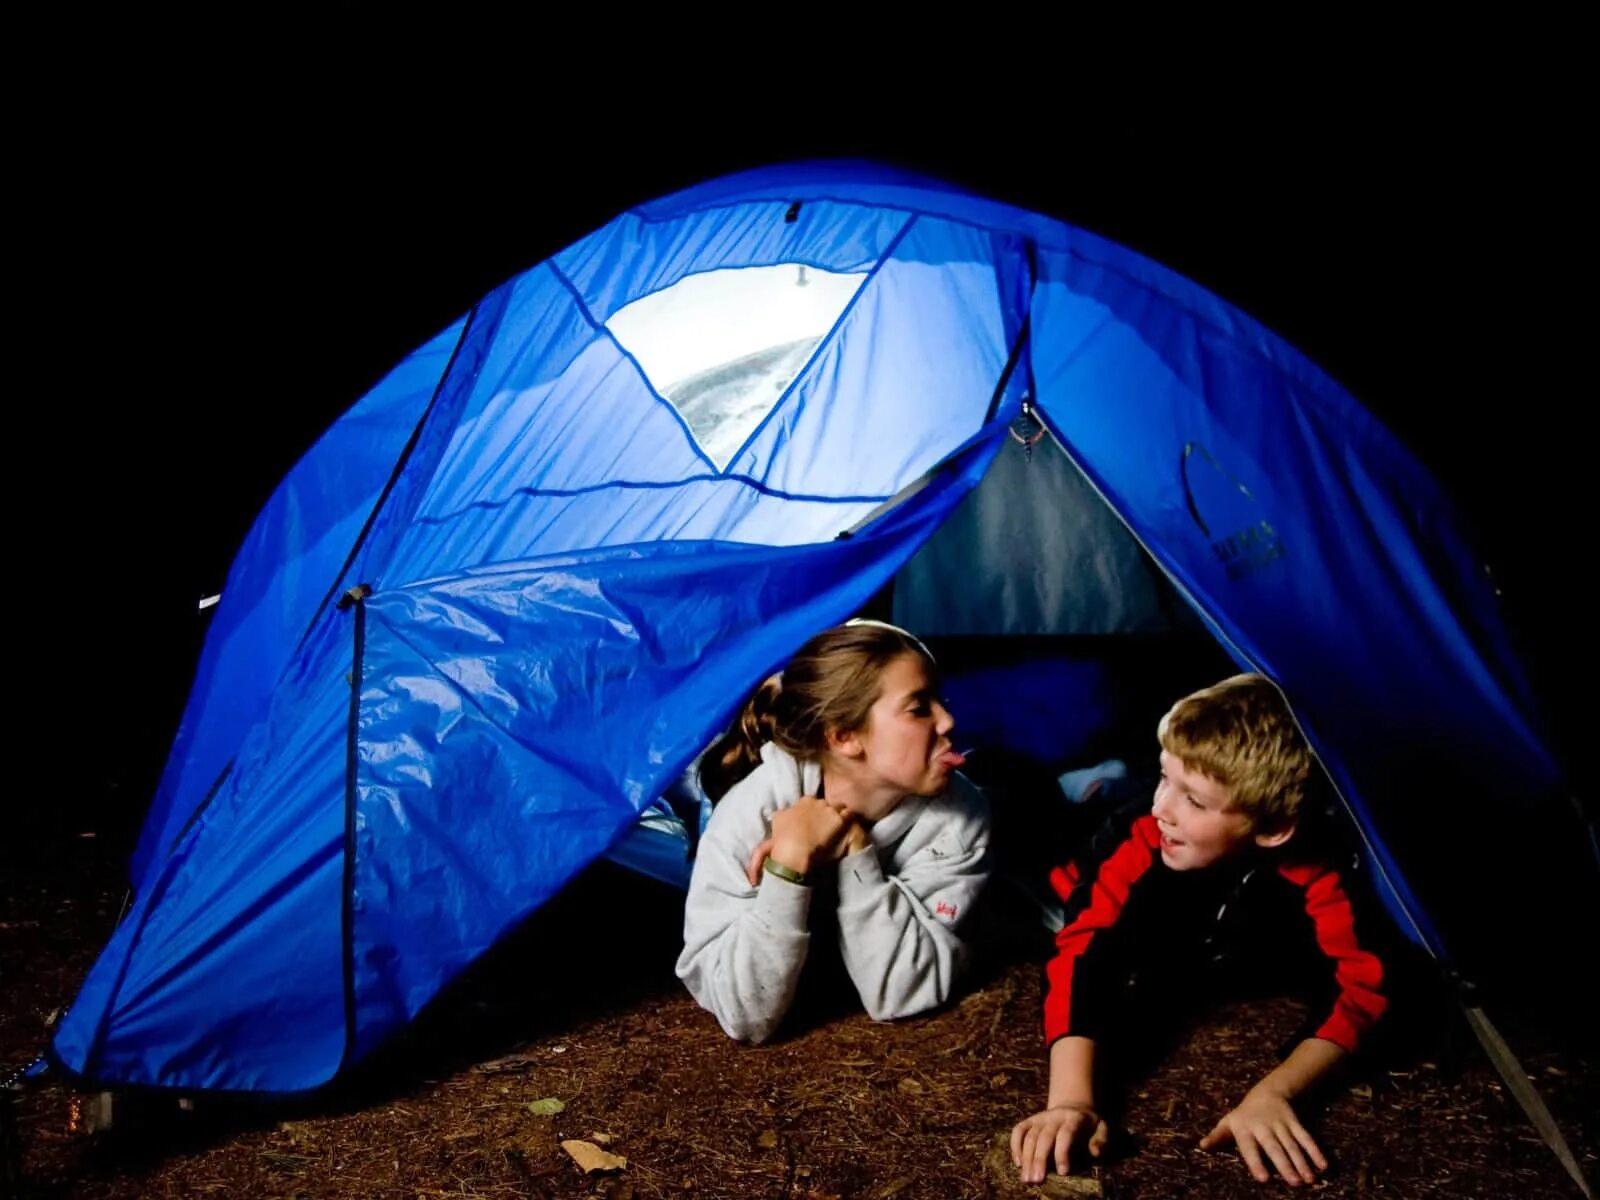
941, 909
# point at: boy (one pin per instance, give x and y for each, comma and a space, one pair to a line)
1161, 894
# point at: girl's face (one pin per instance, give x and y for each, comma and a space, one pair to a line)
904, 748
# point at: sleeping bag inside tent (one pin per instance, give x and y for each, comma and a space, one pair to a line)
495, 611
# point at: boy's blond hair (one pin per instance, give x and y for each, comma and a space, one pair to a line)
1240, 733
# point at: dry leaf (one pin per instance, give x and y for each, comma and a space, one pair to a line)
911, 1087
600, 1139
591, 1158
895, 1188
1064, 1187
767, 1140
998, 1081
548, 1107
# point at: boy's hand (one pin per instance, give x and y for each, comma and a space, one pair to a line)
1264, 1124
1052, 1134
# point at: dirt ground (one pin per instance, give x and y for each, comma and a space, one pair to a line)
576, 1030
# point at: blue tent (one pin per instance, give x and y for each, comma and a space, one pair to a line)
503, 602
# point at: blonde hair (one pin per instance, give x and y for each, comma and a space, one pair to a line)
1241, 734
829, 686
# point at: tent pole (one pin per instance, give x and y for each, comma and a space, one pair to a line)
1516, 1078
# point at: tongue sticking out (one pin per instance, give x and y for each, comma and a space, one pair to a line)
952, 758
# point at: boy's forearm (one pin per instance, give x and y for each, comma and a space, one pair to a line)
1311, 1060
1071, 1073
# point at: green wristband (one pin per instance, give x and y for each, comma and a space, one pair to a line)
773, 867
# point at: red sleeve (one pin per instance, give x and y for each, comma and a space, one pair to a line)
1096, 892
1357, 971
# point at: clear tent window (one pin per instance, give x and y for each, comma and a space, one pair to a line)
723, 346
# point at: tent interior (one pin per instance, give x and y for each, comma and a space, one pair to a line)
1060, 642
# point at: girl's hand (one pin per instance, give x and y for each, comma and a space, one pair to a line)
856, 838
1051, 1134
757, 859
1264, 1124
807, 834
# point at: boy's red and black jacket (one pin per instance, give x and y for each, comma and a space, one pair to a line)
1308, 926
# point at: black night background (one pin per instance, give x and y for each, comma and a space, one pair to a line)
220, 239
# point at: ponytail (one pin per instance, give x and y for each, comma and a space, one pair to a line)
829, 685
738, 752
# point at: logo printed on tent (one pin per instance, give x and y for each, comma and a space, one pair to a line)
1252, 543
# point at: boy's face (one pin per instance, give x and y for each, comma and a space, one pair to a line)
1197, 825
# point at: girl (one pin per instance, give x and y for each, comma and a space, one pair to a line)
835, 790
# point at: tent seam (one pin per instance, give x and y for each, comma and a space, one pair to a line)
602, 328
788, 392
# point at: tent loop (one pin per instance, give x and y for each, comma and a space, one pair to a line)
354, 595
1019, 429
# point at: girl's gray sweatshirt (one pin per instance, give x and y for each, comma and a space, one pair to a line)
902, 903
